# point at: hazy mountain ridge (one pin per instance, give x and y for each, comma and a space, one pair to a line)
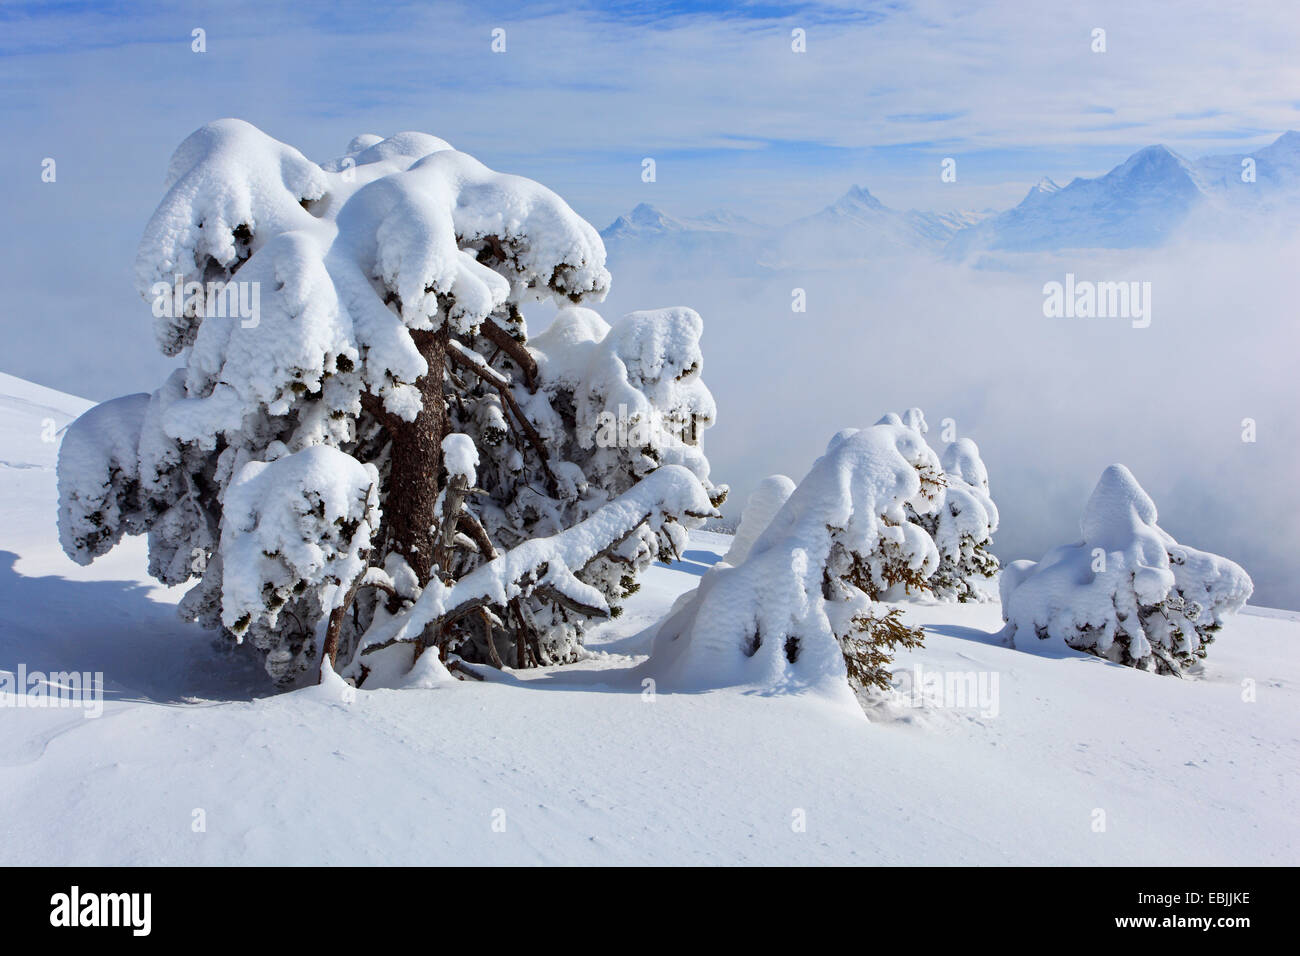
1141, 203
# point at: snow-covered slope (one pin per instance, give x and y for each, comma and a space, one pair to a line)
1276, 169
1065, 759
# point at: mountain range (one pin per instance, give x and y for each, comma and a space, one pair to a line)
1141, 203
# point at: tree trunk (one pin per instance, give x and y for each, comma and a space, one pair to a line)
416, 462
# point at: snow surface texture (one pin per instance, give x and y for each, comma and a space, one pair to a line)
343, 266
1128, 592
768, 622
709, 778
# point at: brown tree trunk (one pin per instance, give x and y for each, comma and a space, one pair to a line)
416, 462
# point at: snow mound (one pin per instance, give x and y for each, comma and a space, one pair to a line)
764, 502
1128, 592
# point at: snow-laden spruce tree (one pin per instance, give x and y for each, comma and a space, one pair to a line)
964, 522
1127, 592
800, 609
363, 454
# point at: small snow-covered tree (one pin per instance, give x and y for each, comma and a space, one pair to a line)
964, 522
962, 527
361, 421
800, 609
1127, 592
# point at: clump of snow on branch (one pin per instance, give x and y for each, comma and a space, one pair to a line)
1127, 592
460, 457
963, 526
304, 521
799, 612
634, 389
99, 478
243, 207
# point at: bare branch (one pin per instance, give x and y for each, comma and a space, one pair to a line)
517, 351
464, 358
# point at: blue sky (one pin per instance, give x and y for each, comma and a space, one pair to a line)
584, 92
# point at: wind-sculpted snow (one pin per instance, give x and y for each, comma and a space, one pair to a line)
1128, 592
762, 506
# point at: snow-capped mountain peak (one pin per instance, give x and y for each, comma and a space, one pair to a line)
1140, 202
1044, 187
1154, 166
855, 203
1136, 204
644, 218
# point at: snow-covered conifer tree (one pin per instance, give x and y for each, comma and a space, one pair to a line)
1127, 592
800, 609
361, 422
963, 524
962, 527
